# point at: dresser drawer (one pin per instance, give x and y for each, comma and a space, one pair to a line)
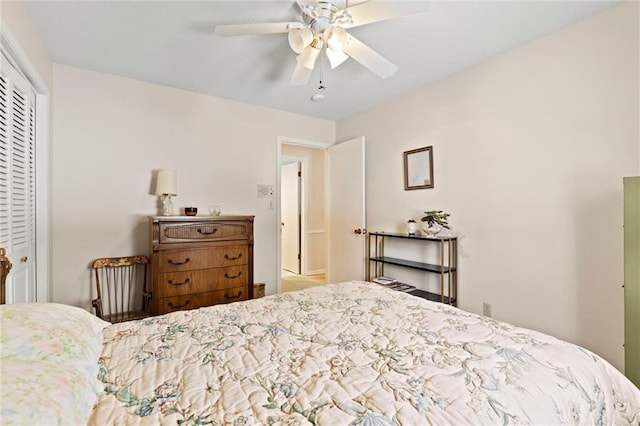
188, 282
193, 259
202, 231
193, 301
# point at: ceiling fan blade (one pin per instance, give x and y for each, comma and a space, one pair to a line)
253, 29
335, 57
375, 11
369, 58
301, 75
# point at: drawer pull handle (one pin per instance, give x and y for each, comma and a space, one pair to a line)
201, 232
186, 302
226, 275
186, 281
226, 256
226, 296
179, 263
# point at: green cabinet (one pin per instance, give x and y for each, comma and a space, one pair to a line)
632, 278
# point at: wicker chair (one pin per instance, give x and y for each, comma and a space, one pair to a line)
121, 284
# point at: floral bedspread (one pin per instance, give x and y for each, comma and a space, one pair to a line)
48, 369
351, 354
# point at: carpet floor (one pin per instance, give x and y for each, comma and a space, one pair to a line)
294, 282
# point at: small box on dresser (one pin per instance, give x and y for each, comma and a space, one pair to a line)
200, 261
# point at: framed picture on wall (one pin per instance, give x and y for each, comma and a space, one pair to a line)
418, 168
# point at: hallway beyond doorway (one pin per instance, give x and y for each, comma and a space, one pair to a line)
295, 282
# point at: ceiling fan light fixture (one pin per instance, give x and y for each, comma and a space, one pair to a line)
299, 38
336, 38
310, 54
323, 26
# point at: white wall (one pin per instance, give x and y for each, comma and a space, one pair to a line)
530, 148
111, 133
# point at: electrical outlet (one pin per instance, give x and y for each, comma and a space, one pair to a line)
271, 204
486, 309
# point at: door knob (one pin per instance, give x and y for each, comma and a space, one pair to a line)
23, 259
360, 231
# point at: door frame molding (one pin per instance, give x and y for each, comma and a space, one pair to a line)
21, 61
284, 140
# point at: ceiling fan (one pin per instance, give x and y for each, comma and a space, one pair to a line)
324, 29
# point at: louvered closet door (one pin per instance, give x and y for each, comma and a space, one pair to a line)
17, 181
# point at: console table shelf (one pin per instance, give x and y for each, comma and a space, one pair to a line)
434, 297
438, 269
446, 266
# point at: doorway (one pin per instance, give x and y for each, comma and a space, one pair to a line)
302, 210
332, 212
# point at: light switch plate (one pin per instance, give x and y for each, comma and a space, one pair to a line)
266, 191
263, 191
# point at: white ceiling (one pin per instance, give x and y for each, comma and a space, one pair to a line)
172, 43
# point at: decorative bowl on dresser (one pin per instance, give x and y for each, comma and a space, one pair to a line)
200, 261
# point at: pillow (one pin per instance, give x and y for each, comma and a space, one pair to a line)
48, 363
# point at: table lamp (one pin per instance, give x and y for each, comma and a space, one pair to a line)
167, 186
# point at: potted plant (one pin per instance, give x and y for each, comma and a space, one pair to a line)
435, 220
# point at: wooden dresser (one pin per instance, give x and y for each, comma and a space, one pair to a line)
200, 261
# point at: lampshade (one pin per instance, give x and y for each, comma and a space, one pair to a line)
336, 38
167, 182
299, 38
310, 54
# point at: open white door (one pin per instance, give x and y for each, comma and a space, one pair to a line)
290, 216
346, 257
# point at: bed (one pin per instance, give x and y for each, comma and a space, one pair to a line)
351, 353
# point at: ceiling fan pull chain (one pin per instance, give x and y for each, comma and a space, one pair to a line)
321, 86
319, 97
